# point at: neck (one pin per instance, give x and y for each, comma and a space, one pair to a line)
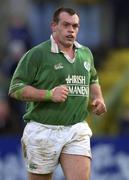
63, 47
67, 50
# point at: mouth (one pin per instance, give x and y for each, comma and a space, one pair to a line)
70, 37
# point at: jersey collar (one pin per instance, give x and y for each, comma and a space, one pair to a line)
55, 48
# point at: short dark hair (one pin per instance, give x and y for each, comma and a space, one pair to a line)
63, 9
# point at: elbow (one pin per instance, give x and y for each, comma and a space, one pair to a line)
12, 95
16, 94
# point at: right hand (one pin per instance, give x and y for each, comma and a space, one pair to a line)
60, 93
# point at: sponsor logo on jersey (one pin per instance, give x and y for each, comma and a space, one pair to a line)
77, 85
58, 66
78, 90
87, 66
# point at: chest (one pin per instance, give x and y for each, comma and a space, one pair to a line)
56, 69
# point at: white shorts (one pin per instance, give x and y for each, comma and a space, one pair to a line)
42, 144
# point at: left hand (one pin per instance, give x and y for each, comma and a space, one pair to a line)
99, 106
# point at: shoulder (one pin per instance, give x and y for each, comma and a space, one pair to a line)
85, 51
41, 48
38, 51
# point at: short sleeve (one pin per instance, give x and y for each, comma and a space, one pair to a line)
25, 71
93, 72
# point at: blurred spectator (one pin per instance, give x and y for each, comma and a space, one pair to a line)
4, 114
9, 123
15, 50
10, 116
2, 53
18, 30
12, 121
7, 117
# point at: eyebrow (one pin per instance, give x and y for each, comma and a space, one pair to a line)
73, 24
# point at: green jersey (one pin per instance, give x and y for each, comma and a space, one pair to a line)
45, 67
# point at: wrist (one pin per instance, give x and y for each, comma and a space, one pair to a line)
48, 95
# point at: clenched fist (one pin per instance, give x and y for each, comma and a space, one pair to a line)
60, 93
99, 106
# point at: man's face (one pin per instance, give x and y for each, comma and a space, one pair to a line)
65, 31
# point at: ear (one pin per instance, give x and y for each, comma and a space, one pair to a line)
53, 26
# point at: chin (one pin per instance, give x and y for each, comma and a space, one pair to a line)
69, 44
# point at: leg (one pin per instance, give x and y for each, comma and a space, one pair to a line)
40, 151
32, 176
75, 167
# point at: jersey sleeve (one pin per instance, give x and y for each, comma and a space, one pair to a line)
25, 71
93, 72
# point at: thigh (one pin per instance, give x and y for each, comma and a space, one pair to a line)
41, 152
32, 176
79, 140
75, 167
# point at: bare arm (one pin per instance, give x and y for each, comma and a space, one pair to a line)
97, 100
29, 93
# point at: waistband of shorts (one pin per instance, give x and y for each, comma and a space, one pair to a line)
48, 125
54, 126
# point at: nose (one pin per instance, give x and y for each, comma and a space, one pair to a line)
71, 28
